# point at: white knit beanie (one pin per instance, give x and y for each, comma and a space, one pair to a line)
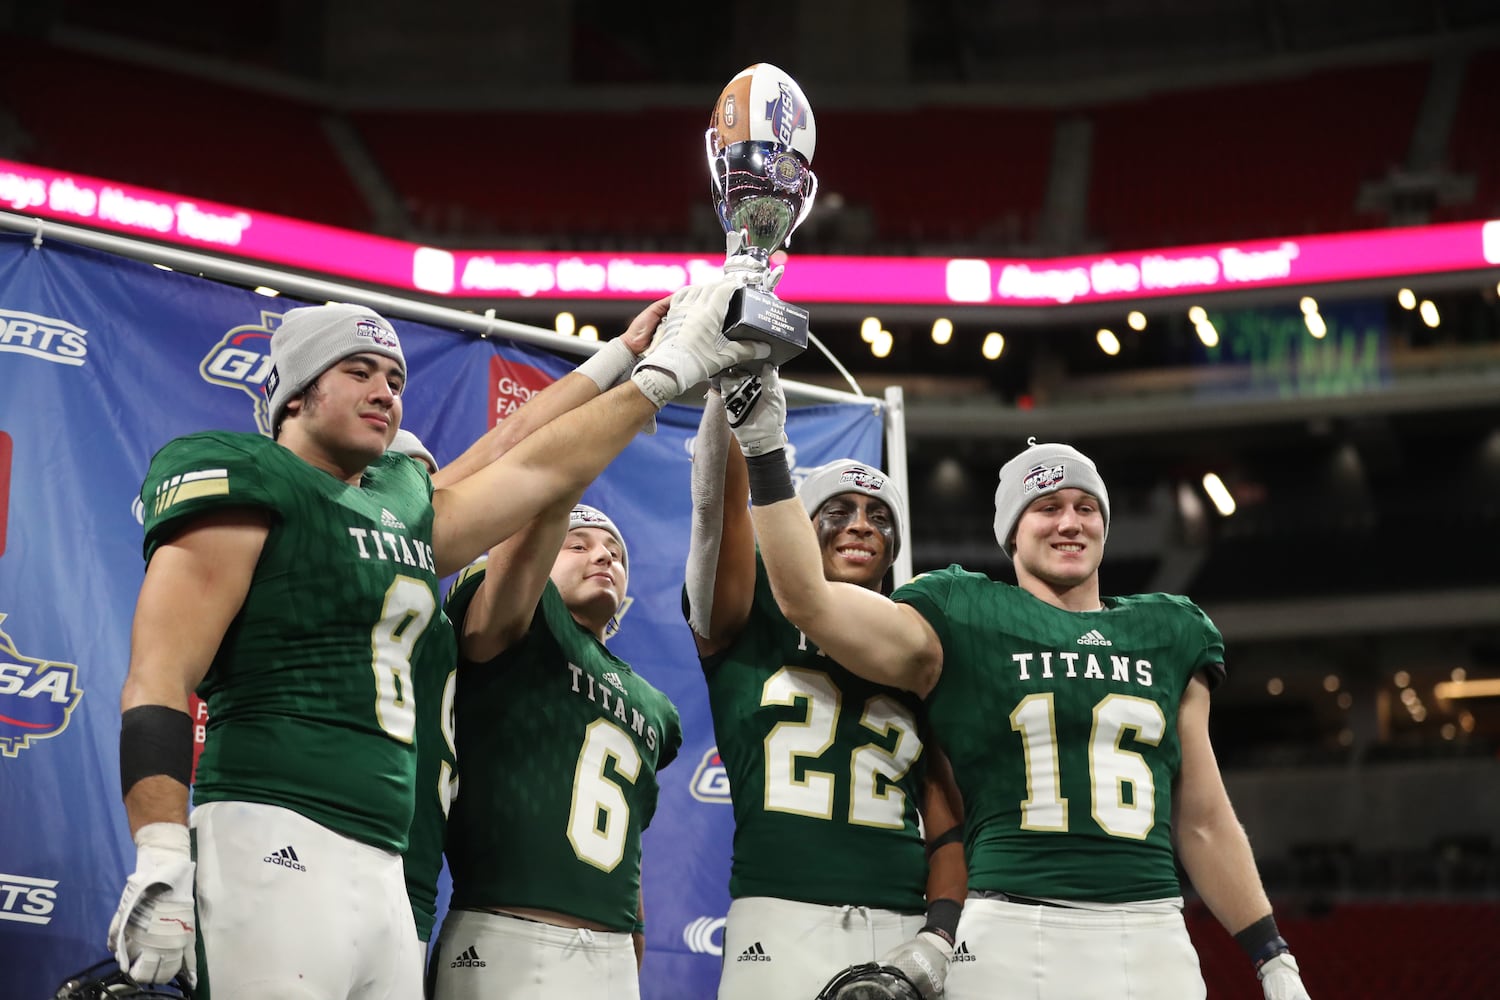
312, 339
1039, 470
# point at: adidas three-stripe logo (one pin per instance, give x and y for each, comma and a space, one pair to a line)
467, 960
962, 953
1093, 638
285, 858
754, 953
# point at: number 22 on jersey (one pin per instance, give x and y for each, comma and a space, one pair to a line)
813, 735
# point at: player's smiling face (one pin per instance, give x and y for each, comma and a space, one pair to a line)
1060, 538
590, 575
355, 406
857, 534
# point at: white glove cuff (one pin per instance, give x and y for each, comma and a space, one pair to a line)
170, 837
656, 384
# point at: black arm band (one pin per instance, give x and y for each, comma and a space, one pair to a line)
1262, 941
155, 739
770, 478
942, 918
955, 835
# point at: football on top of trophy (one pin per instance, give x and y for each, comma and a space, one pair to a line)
764, 104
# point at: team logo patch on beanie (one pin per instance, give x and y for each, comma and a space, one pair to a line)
860, 478
374, 332
1042, 477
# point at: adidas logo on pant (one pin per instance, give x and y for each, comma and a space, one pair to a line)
286, 858
962, 953
754, 953
468, 960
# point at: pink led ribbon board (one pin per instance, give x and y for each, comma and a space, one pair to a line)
502, 274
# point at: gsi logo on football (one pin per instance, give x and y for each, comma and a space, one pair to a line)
242, 360
27, 900
37, 697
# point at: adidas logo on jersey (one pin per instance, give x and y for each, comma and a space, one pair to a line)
754, 953
389, 520
962, 953
614, 678
468, 960
1093, 638
286, 858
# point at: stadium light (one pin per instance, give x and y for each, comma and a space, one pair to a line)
869, 329
1108, 342
1197, 315
1449, 690
565, 324
1207, 333
881, 345
1429, 312
1315, 325
1136, 320
1218, 493
588, 332
1407, 298
942, 330
1309, 305
994, 345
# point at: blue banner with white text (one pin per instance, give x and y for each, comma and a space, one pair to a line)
102, 361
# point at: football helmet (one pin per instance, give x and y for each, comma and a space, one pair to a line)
105, 981
870, 981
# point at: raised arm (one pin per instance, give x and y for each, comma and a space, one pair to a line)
1215, 852
605, 369
560, 459
721, 547
515, 575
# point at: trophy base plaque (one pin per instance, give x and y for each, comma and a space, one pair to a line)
758, 315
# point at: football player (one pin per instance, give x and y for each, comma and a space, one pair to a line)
288, 580
1077, 727
561, 743
830, 775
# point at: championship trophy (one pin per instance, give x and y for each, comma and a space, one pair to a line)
760, 148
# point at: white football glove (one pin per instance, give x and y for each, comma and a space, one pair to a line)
153, 933
1280, 979
756, 409
745, 268
924, 959
692, 346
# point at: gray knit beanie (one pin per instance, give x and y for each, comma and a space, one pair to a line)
848, 476
312, 339
410, 445
1039, 470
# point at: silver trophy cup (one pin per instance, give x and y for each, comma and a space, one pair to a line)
759, 145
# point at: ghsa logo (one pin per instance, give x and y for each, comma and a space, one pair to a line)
861, 478
242, 360
1042, 477
377, 333
37, 697
711, 780
786, 114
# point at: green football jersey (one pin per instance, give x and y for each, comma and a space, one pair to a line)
825, 771
1062, 730
561, 743
435, 669
310, 698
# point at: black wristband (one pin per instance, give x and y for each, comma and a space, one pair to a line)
942, 918
955, 835
1262, 941
155, 739
770, 478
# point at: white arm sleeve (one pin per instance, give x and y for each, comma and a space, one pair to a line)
710, 453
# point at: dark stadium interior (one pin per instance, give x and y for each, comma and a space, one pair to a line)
1358, 571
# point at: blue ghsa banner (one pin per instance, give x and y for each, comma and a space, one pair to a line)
102, 361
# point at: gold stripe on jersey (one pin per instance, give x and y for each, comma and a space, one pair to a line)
190, 486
